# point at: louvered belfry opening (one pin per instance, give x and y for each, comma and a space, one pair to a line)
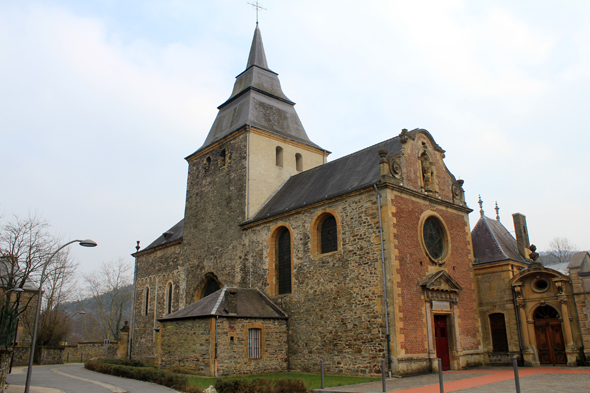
284, 261
498, 330
329, 235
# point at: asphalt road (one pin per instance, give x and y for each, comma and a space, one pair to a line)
73, 378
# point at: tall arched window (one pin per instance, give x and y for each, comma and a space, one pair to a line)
299, 162
147, 300
212, 286
279, 156
283, 248
222, 158
328, 235
498, 330
169, 299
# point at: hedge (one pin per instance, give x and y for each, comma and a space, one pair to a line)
260, 385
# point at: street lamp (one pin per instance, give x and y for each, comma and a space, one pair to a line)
84, 243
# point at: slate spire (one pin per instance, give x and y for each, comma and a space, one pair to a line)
257, 56
257, 100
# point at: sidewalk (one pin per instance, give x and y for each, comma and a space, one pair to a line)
483, 380
33, 389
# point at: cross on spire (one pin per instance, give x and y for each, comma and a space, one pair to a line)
258, 7
497, 212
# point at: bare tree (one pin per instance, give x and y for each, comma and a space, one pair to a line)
25, 246
109, 290
560, 249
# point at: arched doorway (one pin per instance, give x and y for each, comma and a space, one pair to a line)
550, 344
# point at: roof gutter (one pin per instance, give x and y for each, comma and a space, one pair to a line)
385, 303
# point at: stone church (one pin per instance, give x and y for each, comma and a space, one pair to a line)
284, 259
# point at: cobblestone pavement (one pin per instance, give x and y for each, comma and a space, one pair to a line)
483, 380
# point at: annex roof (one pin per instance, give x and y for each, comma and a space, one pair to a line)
493, 243
233, 303
258, 100
344, 175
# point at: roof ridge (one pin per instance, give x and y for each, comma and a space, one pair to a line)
221, 295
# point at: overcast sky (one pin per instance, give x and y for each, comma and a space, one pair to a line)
100, 101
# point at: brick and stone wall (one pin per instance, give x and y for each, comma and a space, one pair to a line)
581, 290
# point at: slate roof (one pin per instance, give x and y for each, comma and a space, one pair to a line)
247, 303
492, 242
581, 260
560, 267
344, 175
171, 235
258, 100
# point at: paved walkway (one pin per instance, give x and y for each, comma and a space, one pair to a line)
483, 380
73, 378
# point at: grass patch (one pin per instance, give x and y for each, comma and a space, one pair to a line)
312, 381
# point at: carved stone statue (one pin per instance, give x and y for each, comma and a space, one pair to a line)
427, 172
533, 255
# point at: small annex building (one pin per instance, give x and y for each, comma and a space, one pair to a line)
231, 331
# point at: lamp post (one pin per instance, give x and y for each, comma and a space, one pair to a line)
84, 243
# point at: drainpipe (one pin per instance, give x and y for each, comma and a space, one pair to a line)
518, 327
385, 303
215, 351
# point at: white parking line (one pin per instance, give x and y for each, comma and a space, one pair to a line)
112, 388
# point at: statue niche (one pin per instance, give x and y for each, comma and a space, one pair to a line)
427, 172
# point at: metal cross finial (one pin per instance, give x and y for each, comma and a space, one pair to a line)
258, 7
497, 212
480, 206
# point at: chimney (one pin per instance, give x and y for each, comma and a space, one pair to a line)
522, 234
231, 302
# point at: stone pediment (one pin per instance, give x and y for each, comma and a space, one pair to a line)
441, 281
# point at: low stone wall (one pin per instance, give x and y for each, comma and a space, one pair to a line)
86, 350
44, 356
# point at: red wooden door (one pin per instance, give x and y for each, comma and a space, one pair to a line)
442, 341
550, 342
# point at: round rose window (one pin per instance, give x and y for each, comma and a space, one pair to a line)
434, 238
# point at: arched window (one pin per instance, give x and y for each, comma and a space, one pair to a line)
498, 332
147, 300
212, 286
283, 248
169, 299
222, 158
299, 162
207, 163
328, 232
279, 156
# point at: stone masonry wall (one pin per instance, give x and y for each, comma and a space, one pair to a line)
155, 270
215, 206
582, 296
335, 308
496, 297
188, 343
233, 354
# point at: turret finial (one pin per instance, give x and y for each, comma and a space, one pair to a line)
497, 212
480, 205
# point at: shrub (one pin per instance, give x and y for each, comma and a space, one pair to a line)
260, 385
182, 369
290, 385
147, 374
122, 362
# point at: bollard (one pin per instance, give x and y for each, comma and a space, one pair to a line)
67, 358
322, 372
81, 358
383, 375
440, 378
516, 378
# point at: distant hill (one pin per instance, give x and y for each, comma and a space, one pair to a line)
83, 328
